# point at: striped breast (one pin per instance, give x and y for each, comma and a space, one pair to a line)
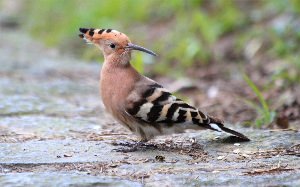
157, 105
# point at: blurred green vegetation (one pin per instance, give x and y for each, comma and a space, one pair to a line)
183, 33
265, 115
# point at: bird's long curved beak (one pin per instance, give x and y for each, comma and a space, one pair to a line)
139, 48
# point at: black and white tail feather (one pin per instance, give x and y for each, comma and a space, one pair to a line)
157, 107
217, 126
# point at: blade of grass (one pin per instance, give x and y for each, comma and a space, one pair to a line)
259, 95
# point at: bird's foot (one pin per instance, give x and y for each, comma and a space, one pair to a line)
132, 146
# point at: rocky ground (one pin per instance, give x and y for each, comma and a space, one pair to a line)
54, 132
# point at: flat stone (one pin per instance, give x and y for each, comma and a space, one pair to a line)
225, 179
62, 180
53, 151
66, 151
50, 127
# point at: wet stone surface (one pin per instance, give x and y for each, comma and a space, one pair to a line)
55, 132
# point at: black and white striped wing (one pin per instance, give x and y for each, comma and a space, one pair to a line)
157, 105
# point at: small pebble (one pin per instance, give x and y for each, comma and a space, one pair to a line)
160, 158
236, 151
192, 140
113, 165
245, 155
67, 155
6, 170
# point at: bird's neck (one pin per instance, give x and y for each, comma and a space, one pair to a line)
118, 60
116, 82
119, 70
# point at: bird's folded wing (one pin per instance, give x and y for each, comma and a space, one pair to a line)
154, 104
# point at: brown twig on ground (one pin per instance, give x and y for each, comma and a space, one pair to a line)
271, 170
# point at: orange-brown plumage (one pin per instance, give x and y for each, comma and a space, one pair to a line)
137, 102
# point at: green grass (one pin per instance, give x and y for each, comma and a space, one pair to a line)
266, 115
181, 32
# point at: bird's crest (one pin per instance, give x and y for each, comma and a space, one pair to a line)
92, 34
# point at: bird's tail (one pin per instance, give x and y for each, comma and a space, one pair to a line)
218, 125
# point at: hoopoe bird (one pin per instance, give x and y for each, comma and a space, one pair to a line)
138, 102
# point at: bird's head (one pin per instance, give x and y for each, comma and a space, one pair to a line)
114, 45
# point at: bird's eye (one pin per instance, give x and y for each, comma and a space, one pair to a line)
112, 46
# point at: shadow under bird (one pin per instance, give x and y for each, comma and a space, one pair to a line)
138, 102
